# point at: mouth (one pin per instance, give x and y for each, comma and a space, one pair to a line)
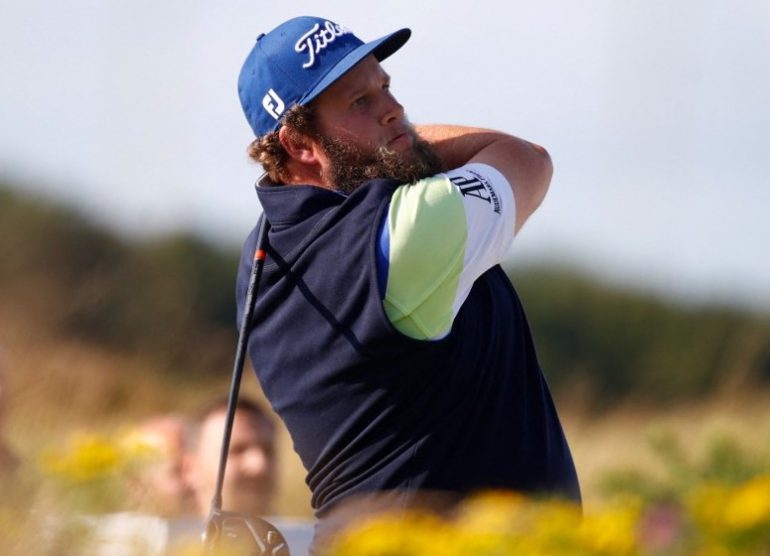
402, 140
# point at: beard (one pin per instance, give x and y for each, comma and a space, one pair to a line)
351, 165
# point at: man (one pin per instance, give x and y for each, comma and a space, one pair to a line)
251, 470
158, 497
159, 488
250, 475
187, 468
385, 334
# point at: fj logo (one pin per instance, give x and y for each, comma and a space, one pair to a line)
273, 104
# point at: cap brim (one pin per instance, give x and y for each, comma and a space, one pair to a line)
381, 48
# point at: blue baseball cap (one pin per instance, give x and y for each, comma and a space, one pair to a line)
297, 61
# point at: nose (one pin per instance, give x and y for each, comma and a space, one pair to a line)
392, 110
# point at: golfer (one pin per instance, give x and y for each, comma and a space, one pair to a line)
386, 335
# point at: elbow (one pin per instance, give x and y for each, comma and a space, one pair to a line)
543, 170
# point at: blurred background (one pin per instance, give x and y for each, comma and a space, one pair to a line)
125, 192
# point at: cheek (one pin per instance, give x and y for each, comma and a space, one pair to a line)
359, 129
209, 466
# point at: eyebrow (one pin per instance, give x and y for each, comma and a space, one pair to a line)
354, 91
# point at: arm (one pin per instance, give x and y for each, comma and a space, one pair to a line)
527, 167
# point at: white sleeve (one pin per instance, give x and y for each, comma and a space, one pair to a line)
490, 215
444, 232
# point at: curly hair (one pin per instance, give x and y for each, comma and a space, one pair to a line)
268, 151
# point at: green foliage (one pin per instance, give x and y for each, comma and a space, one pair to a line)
721, 460
170, 299
621, 343
42, 240
167, 296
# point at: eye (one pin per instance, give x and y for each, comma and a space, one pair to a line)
359, 102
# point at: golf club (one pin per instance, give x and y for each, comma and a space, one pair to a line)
233, 532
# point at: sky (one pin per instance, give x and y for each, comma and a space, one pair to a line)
656, 115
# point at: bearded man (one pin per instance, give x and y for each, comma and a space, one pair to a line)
386, 336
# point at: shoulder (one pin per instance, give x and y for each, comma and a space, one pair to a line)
456, 197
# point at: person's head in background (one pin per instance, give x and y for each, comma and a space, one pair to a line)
159, 487
250, 474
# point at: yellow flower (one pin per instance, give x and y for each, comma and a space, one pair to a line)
748, 506
706, 505
612, 531
87, 457
554, 526
494, 511
413, 534
485, 543
141, 446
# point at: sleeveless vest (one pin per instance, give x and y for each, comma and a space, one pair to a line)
369, 409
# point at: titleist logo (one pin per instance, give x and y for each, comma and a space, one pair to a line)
318, 38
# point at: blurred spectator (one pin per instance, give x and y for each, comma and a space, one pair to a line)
158, 496
250, 475
160, 488
161, 527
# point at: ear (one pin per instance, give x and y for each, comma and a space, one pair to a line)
300, 147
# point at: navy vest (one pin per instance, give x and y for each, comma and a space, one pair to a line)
369, 409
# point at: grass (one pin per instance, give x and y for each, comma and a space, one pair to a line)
621, 438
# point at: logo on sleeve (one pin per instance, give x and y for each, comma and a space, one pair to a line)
472, 184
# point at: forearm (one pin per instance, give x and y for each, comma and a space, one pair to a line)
525, 165
456, 145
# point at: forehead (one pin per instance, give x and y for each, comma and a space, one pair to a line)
245, 423
360, 76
